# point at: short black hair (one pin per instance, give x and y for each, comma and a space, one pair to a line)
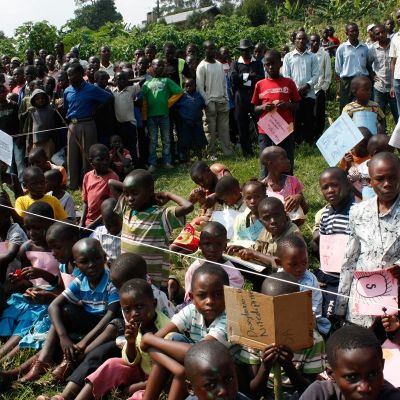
365, 132
139, 287
351, 337
129, 266
271, 202
108, 206
290, 241
355, 83
281, 285
63, 232
100, 73
54, 174
208, 268
272, 54
347, 26
226, 185
76, 67
32, 171
254, 182
199, 167
40, 208
97, 148
335, 170
141, 176
384, 156
38, 152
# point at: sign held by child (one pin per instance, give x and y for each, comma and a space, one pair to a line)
291, 320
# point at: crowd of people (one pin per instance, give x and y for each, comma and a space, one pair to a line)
92, 293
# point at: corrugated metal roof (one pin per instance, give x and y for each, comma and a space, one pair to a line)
183, 16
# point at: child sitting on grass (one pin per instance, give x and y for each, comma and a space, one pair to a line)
145, 220
212, 244
299, 369
355, 367
121, 159
55, 188
286, 188
204, 319
95, 184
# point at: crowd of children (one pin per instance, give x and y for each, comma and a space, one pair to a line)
92, 294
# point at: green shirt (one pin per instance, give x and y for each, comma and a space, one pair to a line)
156, 93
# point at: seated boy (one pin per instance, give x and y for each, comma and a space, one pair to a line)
37, 157
212, 244
35, 184
210, 372
121, 159
204, 319
109, 233
355, 367
299, 369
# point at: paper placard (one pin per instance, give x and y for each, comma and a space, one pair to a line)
294, 215
3, 247
67, 279
338, 139
45, 261
256, 320
331, 251
226, 218
6, 147
275, 126
247, 264
372, 287
367, 119
391, 355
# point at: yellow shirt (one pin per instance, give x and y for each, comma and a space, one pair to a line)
24, 202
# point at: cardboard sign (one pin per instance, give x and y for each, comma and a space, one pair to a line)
331, 251
226, 218
6, 148
256, 320
391, 354
375, 290
275, 126
367, 119
338, 139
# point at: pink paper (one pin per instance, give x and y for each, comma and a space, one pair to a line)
391, 354
3, 247
275, 126
67, 279
331, 251
373, 287
45, 261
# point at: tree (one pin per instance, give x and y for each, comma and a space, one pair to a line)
255, 11
95, 14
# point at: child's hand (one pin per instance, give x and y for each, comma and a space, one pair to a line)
144, 345
162, 198
292, 202
285, 356
395, 271
32, 273
232, 250
390, 323
131, 331
196, 195
39, 296
79, 348
282, 105
15, 276
246, 254
268, 107
349, 159
67, 348
270, 356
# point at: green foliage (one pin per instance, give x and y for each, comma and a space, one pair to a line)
255, 11
7, 46
36, 36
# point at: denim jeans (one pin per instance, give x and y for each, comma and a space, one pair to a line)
383, 99
19, 160
153, 124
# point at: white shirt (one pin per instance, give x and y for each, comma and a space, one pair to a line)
211, 83
394, 52
325, 70
109, 69
124, 103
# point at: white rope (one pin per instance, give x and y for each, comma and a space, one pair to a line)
369, 301
33, 133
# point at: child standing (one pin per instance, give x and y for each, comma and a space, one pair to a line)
158, 95
356, 349
95, 184
276, 93
361, 89
54, 187
190, 124
213, 239
146, 221
35, 184
285, 187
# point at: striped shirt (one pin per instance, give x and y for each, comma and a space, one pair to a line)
153, 227
111, 244
353, 107
333, 221
94, 301
190, 320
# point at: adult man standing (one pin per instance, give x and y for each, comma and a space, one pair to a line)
105, 63
302, 66
211, 84
380, 58
324, 80
246, 72
351, 61
394, 54
80, 101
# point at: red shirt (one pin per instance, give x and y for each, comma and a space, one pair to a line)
334, 40
94, 190
281, 89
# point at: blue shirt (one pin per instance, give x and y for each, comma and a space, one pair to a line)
190, 107
303, 68
80, 102
94, 301
351, 61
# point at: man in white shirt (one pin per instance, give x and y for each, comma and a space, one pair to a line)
211, 83
105, 64
394, 54
302, 66
324, 81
